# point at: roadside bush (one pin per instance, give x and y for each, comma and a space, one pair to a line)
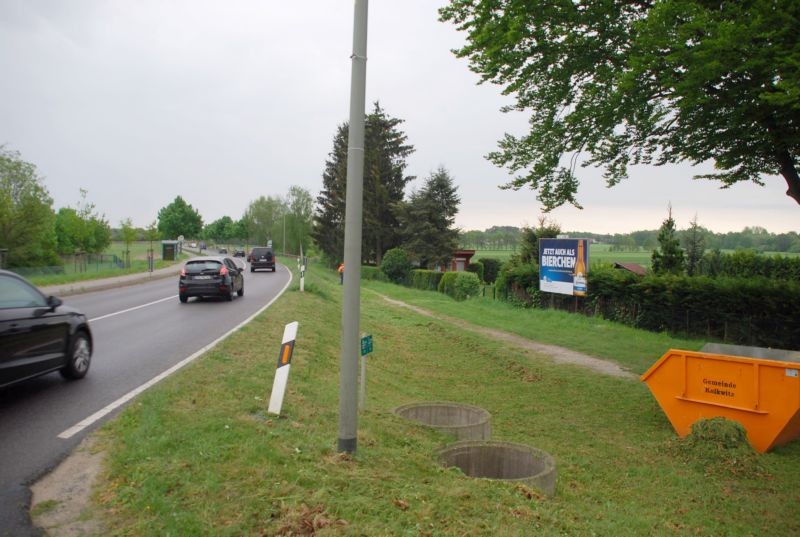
476, 268
519, 282
460, 285
466, 285
427, 280
491, 269
396, 266
372, 273
446, 283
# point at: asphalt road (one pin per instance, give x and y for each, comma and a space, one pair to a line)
140, 331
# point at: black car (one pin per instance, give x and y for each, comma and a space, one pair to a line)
239, 253
39, 334
223, 250
211, 276
262, 258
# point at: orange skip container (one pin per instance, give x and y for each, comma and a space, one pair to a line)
760, 390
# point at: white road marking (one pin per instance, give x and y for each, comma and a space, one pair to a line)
100, 414
132, 309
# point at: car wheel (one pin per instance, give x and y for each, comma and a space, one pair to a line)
80, 357
273, 269
229, 295
252, 269
183, 298
240, 292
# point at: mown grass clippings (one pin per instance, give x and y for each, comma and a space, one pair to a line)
191, 457
719, 446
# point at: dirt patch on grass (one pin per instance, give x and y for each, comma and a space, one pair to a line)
558, 354
61, 498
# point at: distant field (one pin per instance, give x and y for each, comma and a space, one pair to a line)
502, 255
138, 249
599, 253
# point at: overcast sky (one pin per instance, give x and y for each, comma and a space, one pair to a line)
222, 102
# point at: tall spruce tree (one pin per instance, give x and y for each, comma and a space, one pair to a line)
668, 258
328, 225
428, 218
695, 245
385, 153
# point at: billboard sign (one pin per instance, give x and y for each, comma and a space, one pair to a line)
563, 266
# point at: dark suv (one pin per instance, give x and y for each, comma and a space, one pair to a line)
261, 258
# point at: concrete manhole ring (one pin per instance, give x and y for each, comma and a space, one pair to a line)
465, 422
506, 461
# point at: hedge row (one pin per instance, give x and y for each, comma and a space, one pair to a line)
427, 280
749, 264
746, 311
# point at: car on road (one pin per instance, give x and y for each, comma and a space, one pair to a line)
262, 257
223, 250
239, 253
39, 334
217, 275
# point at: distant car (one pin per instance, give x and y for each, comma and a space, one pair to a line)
211, 276
39, 334
223, 250
239, 253
262, 258
192, 245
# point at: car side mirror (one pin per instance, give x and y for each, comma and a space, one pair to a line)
54, 302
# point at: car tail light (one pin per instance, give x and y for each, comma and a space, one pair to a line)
223, 271
183, 271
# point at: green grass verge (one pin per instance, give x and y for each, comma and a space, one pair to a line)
198, 455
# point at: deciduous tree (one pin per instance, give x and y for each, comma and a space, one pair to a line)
179, 218
624, 82
27, 220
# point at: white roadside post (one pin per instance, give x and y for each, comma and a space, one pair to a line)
282, 371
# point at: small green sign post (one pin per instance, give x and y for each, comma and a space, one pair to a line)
366, 344
366, 348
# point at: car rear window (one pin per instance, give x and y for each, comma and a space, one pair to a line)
196, 267
258, 252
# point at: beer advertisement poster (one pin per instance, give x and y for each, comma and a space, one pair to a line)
563, 266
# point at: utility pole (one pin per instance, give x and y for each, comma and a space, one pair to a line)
351, 311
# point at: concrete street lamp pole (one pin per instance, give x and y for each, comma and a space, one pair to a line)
348, 373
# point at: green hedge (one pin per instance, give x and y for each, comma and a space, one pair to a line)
427, 280
749, 264
491, 268
476, 268
746, 311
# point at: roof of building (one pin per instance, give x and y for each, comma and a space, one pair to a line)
636, 268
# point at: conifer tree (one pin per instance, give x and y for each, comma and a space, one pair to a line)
428, 220
385, 153
668, 258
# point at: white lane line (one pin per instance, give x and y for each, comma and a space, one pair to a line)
100, 414
132, 309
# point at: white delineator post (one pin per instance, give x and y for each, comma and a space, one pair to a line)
282, 372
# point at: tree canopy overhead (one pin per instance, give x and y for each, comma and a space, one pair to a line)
626, 82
